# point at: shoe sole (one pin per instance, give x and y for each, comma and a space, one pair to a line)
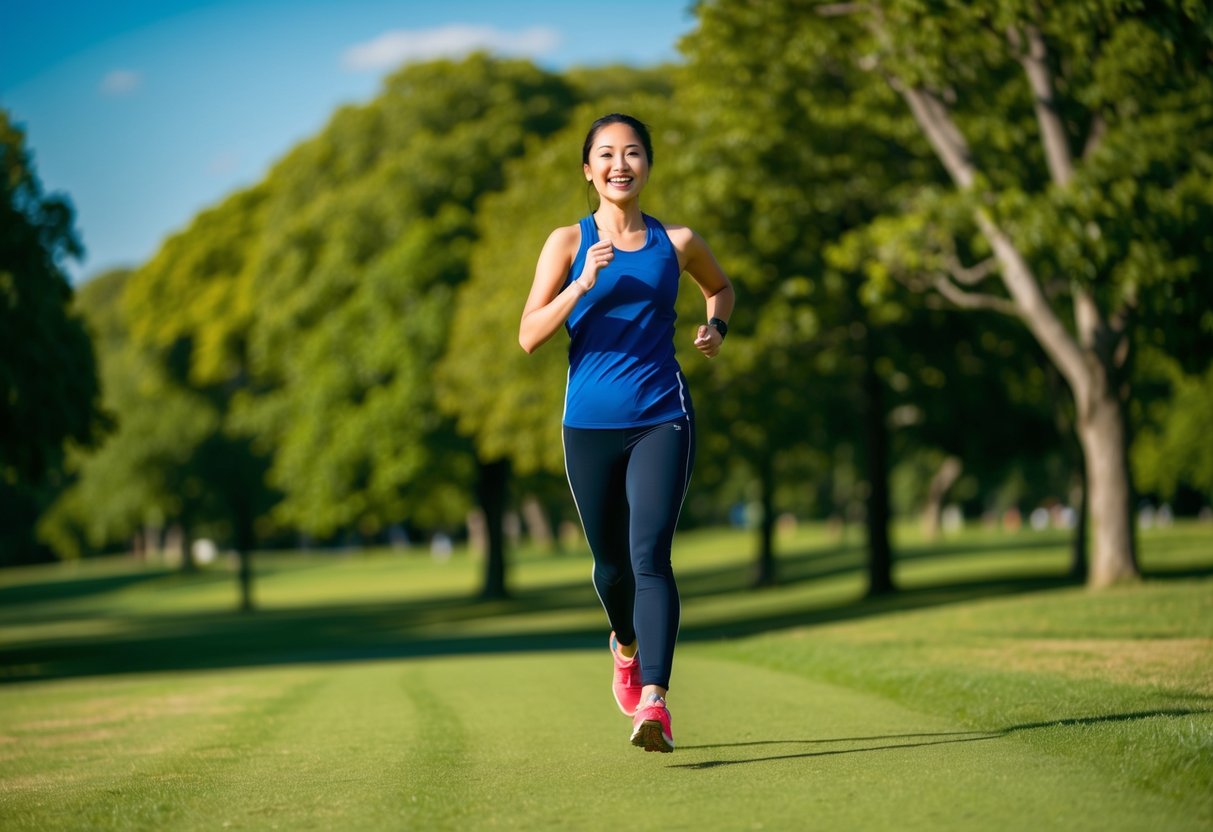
649, 736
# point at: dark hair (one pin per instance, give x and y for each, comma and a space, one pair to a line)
636, 124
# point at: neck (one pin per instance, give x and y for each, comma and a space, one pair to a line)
619, 219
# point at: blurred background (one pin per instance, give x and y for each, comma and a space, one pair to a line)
262, 265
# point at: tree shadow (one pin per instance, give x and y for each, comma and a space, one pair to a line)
419, 627
74, 588
894, 742
360, 632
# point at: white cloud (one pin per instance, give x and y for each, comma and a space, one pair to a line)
402, 45
121, 82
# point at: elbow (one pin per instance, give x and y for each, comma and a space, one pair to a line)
528, 344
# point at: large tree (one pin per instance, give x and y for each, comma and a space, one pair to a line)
313, 306
781, 157
189, 311
367, 240
1077, 139
49, 391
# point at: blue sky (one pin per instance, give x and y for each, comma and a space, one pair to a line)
144, 113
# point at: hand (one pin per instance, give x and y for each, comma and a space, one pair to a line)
708, 340
597, 257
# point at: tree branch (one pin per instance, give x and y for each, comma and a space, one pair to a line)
969, 275
974, 300
1033, 55
1027, 299
945, 137
1034, 309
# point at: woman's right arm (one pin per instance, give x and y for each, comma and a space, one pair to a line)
548, 307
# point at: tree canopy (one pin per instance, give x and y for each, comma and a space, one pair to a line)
957, 233
49, 391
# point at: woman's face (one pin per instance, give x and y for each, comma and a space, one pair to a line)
618, 166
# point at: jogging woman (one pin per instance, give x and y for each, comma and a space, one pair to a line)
629, 445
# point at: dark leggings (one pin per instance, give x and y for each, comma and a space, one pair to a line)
629, 485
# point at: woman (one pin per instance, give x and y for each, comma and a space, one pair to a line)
611, 280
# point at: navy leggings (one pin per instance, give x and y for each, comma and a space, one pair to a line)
629, 485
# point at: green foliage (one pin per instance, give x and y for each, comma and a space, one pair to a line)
792, 145
367, 237
1136, 103
147, 471
1173, 445
343, 332
196, 292
49, 392
1128, 227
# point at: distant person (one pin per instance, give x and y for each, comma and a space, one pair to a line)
629, 442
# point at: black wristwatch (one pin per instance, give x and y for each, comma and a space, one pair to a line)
721, 327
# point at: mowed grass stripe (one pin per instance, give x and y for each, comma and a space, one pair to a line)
1001, 702
830, 756
533, 741
135, 754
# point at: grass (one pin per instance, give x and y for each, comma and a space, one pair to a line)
368, 692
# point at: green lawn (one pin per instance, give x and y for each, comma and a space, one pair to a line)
369, 692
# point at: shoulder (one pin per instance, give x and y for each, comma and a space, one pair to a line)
683, 238
564, 240
566, 234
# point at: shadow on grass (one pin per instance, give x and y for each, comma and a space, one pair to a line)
432, 627
74, 588
895, 742
388, 631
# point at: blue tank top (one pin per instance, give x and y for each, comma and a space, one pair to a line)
622, 370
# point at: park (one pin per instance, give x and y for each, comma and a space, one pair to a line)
286, 533
369, 693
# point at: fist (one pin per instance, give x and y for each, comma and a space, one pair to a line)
597, 257
707, 340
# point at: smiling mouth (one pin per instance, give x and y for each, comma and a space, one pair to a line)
620, 181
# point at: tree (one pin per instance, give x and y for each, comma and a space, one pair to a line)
49, 392
1076, 140
781, 158
133, 480
367, 239
189, 311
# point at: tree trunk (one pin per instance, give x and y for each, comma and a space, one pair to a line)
188, 564
246, 580
1088, 363
538, 524
880, 555
764, 569
949, 471
244, 550
491, 493
1079, 569
1101, 430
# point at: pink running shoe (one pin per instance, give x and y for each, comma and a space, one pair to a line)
651, 726
626, 684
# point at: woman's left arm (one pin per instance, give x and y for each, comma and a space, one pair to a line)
699, 262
